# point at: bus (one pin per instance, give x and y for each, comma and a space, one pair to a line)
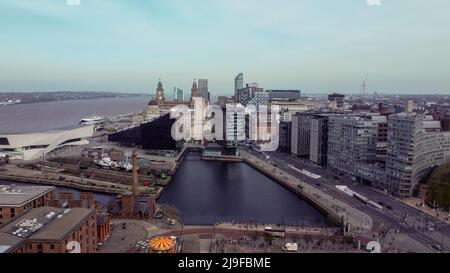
275, 232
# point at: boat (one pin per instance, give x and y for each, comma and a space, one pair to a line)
105, 162
91, 120
125, 165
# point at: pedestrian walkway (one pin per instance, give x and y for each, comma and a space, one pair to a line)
416, 203
358, 220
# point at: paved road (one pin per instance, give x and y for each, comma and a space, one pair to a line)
402, 218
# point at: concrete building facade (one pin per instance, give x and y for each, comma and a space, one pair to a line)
351, 140
35, 145
301, 128
412, 152
235, 124
319, 140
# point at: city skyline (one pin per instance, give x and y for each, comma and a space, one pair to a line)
314, 46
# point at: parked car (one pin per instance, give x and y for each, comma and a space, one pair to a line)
437, 247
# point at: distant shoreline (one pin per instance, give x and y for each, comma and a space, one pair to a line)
62, 115
21, 98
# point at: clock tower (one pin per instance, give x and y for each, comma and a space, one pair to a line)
160, 94
194, 90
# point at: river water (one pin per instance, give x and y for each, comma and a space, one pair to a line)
209, 191
38, 117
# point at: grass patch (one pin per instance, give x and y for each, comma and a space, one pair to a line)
439, 191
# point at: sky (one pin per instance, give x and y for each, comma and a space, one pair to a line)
312, 45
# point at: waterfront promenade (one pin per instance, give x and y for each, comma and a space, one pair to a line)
336, 209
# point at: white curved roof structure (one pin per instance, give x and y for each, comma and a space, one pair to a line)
32, 146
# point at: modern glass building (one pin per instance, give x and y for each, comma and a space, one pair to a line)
203, 89
178, 94
238, 84
154, 136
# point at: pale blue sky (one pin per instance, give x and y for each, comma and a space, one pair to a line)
313, 45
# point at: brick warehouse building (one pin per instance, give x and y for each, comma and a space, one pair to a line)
84, 200
50, 230
16, 199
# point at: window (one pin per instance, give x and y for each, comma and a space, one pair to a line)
52, 246
4, 141
40, 248
71, 141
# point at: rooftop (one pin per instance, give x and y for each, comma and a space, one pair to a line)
431, 124
8, 242
379, 119
16, 196
46, 223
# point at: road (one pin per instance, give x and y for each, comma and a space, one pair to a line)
400, 219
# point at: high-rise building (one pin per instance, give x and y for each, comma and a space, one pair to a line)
285, 136
178, 94
351, 140
412, 152
198, 118
245, 95
235, 124
301, 128
260, 97
319, 140
203, 89
238, 84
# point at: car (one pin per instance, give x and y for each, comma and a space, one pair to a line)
389, 207
381, 203
437, 247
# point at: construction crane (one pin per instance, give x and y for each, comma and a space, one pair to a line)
363, 89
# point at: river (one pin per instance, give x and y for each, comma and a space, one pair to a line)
209, 191
38, 117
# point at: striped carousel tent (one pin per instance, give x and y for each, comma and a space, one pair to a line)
162, 244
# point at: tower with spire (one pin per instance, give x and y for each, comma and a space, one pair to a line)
159, 99
194, 90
